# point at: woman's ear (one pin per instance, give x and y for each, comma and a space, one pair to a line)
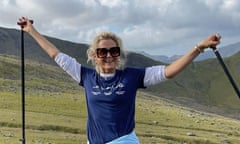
94, 58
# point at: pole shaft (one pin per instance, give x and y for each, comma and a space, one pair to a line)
227, 72
23, 86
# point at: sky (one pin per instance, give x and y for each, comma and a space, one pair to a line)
158, 27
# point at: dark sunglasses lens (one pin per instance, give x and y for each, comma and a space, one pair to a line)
115, 51
102, 52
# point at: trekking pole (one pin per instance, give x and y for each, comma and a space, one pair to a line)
23, 81
23, 86
219, 57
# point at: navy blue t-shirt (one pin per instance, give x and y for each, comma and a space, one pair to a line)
110, 103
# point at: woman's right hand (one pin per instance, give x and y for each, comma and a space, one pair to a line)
46, 45
25, 24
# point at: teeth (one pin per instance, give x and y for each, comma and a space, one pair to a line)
108, 60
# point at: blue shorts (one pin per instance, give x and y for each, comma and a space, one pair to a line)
126, 139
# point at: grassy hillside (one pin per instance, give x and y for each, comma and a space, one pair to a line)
204, 85
56, 112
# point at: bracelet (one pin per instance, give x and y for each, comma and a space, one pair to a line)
198, 49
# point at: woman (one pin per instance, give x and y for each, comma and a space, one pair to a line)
111, 88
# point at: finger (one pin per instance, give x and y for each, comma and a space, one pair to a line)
24, 21
21, 20
217, 37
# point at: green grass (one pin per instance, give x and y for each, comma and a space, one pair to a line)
164, 122
61, 119
50, 117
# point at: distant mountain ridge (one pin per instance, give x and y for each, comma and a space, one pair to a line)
10, 40
225, 51
162, 58
202, 85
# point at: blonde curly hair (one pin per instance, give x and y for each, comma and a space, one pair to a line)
91, 52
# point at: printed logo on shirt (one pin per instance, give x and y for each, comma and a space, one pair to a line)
108, 91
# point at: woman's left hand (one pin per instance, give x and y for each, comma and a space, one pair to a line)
210, 42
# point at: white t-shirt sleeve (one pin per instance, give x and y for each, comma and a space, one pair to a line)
70, 65
154, 75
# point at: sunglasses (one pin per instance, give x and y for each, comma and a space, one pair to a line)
103, 52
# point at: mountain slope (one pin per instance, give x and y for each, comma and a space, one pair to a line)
225, 51
204, 85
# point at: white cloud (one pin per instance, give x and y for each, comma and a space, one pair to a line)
88, 35
230, 5
114, 3
4, 3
